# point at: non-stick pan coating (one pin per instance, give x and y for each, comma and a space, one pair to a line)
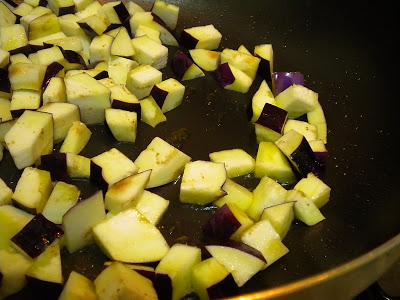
347, 52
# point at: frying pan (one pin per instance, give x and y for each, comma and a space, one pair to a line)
347, 52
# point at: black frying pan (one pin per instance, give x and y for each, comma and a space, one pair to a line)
347, 52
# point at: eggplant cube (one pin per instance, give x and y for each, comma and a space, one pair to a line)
12, 220
4, 58
273, 118
62, 198
167, 12
297, 100
168, 94
282, 80
13, 38
308, 130
5, 112
76, 139
78, 166
90, 96
26, 76
5, 193
178, 264
316, 117
36, 236
201, 37
109, 167
150, 32
260, 98
304, 209
42, 26
151, 113
62, 7
78, 287
118, 237
55, 91
235, 194
80, 219
280, 216
6, 15
121, 45
314, 189
123, 99
22, 100
184, 68
202, 182
47, 56
149, 52
165, 162
152, 206
265, 53
206, 59
119, 282
64, 114
244, 62
142, 79
231, 78
30, 137
94, 25
237, 161
119, 67
123, 124
100, 48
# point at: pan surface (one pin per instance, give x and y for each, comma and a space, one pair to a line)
347, 52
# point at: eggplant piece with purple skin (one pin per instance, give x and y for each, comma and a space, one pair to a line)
11, 3
282, 80
231, 78
271, 122
5, 85
51, 71
101, 75
56, 164
43, 290
39, 233
73, 57
33, 48
184, 68
162, 283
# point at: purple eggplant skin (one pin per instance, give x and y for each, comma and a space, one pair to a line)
282, 80
113, 26
11, 3
44, 3
133, 107
36, 48
303, 159
88, 30
162, 283
16, 113
103, 74
43, 290
273, 117
188, 41
219, 290
242, 247
5, 85
96, 177
73, 57
264, 69
180, 64
1, 278
159, 95
56, 164
122, 12
51, 71
39, 233
66, 10
24, 50
221, 225
224, 75
321, 161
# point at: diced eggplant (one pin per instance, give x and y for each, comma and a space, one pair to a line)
272, 162
206, 59
43, 26
141, 80
62, 198
36, 236
314, 189
265, 53
64, 115
304, 209
91, 9
149, 52
78, 166
90, 96
73, 43
133, 8
5, 110
78, 287
151, 205
54, 91
76, 139
19, 57
4, 58
201, 37
119, 67
7, 17
308, 130
122, 124
168, 13
237, 161
202, 182
263, 237
94, 25
280, 216
22, 10
244, 50
165, 162
22, 100
116, 12
118, 235
122, 45
228, 222
206, 276
13, 38
5, 85
244, 62
123, 193
260, 98
150, 32
296, 148
100, 48
241, 260
119, 282
273, 120
74, 59
151, 113
47, 266
30, 137
110, 167
316, 117
184, 68
235, 194
13, 274
26, 76
168, 94
4, 128
297, 100
267, 193
232, 78
178, 264
56, 164
5, 193
80, 219
62, 7
321, 155
123, 99
282, 80
52, 70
